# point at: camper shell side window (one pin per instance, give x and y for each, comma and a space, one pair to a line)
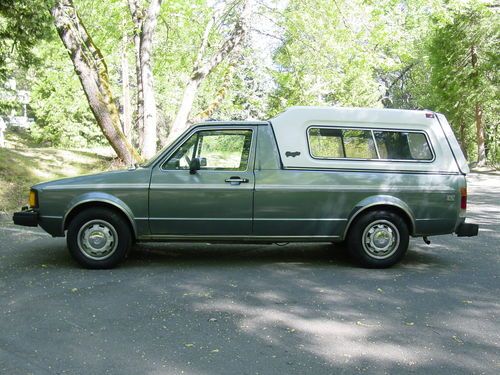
369, 144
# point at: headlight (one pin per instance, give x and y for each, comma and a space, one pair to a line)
33, 200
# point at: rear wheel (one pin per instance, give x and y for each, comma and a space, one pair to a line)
378, 239
99, 238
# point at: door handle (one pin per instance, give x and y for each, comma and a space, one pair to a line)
236, 180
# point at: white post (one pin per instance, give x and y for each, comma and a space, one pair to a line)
2, 129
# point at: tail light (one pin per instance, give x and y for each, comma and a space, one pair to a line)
463, 198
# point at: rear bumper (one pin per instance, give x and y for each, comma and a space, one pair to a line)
28, 218
467, 230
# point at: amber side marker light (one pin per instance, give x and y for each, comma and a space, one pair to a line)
33, 202
463, 198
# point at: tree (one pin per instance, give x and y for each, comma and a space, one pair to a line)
203, 66
92, 71
125, 81
63, 119
22, 24
145, 20
464, 66
329, 55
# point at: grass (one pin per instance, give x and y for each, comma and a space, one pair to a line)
22, 165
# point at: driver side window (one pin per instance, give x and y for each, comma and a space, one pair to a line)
219, 149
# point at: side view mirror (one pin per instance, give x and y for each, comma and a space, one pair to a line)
196, 164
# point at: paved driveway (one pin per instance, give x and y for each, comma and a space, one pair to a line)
227, 309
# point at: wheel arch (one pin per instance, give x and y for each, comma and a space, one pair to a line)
107, 201
378, 203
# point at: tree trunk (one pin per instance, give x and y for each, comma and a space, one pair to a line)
202, 69
148, 95
463, 142
181, 118
136, 13
127, 113
139, 121
92, 71
215, 104
478, 114
481, 150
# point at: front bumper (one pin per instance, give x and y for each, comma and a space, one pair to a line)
27, 218
467, 230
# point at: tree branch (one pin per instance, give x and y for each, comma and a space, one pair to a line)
235, 39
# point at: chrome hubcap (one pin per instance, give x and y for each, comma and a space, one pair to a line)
380, 239
97, 239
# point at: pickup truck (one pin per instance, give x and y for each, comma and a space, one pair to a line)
368, 177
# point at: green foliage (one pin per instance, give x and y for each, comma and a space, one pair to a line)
63, 117
390, 53
411, 54
22, 24
239, 89
178, 37
464, 60
327, 57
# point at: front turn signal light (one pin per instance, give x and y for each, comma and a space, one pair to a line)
33, 199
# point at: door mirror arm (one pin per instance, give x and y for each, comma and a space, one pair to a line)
196, 164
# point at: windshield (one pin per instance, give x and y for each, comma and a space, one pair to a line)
153, 159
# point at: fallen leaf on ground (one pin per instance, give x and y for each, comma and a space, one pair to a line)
457, 339
360, 323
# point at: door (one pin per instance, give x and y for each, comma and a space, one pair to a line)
217, 199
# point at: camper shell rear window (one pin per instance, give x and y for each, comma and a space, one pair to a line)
369, 144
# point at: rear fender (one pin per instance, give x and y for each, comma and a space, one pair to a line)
381, 201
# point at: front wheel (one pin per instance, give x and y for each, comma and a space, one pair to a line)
99, 238
378, 239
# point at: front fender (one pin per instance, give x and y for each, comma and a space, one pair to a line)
380, 200
102, 198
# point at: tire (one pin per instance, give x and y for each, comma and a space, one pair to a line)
378, 239
99, 238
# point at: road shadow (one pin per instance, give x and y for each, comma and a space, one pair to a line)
153, 256
216, 255
234, 254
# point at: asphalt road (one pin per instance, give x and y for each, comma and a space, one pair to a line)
226, 309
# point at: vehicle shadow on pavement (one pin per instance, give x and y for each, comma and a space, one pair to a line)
230, 254
220, 254
154, 255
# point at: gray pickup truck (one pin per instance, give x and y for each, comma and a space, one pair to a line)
368, 177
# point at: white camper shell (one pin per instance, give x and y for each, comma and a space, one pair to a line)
293, 128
